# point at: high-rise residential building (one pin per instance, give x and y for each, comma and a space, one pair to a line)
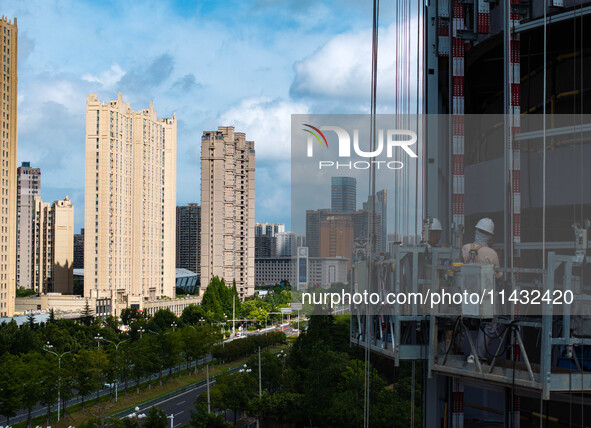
79, 250
41, 248
130, 201
188, 237
62, 239
343, 194
8, 235
28, 186
381, 207
52, 251
227, 208
268, 229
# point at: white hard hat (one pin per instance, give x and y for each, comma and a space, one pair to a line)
486, 225
435, 225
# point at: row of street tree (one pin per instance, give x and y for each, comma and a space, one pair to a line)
61, 359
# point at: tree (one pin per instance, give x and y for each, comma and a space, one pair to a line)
162, 320
192, 314
202, 419
87, 317
233, 391
10, 387
51, 316
49, 382
131, 315
156, 418
29, 377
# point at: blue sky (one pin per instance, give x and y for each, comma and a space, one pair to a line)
250, 64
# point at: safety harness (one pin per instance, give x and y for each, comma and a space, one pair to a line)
473, 254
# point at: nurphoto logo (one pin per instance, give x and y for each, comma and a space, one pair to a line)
402, 138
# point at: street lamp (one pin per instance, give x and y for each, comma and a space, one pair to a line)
47, 348
141, 331
98, 339
173, 325
116, 365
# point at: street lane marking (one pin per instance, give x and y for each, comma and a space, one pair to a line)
182, 402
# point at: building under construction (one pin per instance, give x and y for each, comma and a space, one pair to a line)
509, 82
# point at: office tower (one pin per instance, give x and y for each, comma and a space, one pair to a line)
227, 208
188, 237
8, 236
329, 234
268, 229
28, 185
381, 207
79, 250
286, 244
129, 218
52, 246
362, 222
343, 194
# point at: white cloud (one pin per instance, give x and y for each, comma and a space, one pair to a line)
267, 122
107, 78
341, 68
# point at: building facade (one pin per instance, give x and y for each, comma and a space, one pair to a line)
129, 243
268, 229
286, 244
381, 207
52, 246
319, 271
343, 194
227, 214
363, 222
62, 239
265, 246
329, 234
188, 237
274, 270
28, 186
79, 250
8, 235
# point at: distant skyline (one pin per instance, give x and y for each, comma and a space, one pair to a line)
248, 64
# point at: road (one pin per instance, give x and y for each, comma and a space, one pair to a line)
180, 405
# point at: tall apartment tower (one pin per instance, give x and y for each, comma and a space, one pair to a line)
28, 185
227, 209
129, 215
188, 237
8, 236
62, 238
52, 246
343, 194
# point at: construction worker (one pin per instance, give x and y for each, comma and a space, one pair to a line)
480, 252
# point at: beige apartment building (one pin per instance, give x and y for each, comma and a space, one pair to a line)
130, 204
227, 209
52, 241
8, 95
28, 186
